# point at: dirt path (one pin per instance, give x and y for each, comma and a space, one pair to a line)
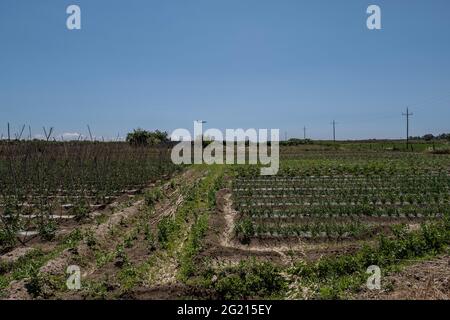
162, 278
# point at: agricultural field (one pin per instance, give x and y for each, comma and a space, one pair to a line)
328, 215
344, 196
48, 188
139, 227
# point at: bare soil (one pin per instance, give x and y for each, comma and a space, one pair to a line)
423, 280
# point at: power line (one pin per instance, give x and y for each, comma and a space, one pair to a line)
407, 114
334, 123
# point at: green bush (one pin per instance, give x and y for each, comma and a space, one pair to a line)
430, 239
140, 137
249, 279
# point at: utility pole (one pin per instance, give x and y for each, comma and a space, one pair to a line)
201, 122
407, 115
334, 123
9, 133
285, 136
304, 133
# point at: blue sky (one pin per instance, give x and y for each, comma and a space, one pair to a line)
236, 63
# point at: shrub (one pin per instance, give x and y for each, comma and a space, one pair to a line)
432, 238
249, 279
140, 137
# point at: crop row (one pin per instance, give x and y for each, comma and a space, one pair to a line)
349, 211
246, 229
45, 179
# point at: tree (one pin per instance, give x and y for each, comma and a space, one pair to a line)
444, 136
140, 137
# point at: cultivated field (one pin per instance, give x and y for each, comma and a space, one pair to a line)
139, 227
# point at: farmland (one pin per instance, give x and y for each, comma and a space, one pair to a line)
343, 196
47, 184
140, 227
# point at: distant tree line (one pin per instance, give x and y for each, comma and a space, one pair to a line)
430, 137
295, 142
141, 137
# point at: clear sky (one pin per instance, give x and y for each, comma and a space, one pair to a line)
235, 63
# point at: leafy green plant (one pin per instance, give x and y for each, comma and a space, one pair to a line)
47, 229
121, 257
152, 196
90, 239
150, 238
244, 230
248, 279
35, 283
165, 229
